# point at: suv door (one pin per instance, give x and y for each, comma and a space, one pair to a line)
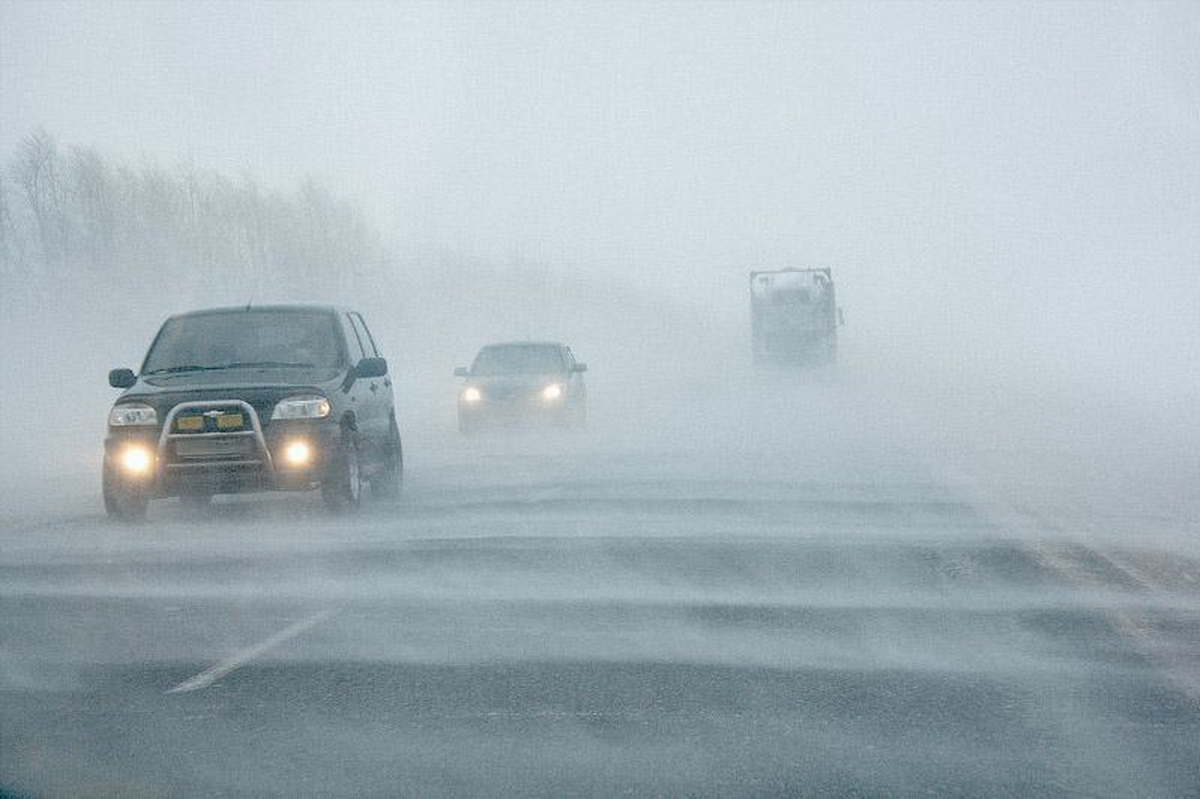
357, 395
575, 385
374, 403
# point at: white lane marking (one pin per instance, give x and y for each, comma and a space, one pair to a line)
239, 659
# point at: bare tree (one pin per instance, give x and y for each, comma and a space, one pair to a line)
114, 224
36, 171
93, 206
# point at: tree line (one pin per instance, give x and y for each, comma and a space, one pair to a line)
73, 219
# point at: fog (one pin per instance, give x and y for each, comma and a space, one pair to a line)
1008, 196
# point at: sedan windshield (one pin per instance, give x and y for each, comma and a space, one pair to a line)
232, 339
518, 359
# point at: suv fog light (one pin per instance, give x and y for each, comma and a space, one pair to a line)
136, 460
297, 453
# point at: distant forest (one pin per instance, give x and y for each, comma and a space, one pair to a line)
70, 217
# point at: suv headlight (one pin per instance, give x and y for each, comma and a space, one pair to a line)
309, 407
132, 413
552, 392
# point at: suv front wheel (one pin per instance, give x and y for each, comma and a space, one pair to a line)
342, 489
121, 500
385, 483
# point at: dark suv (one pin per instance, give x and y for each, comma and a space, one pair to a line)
283, 397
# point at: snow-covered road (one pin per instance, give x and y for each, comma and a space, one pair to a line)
748, 609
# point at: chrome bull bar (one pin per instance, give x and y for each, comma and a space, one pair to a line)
255, 433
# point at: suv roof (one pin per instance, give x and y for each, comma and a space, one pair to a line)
294, 306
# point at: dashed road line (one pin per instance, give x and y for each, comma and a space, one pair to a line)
210, 675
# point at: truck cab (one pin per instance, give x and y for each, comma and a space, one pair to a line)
794, 316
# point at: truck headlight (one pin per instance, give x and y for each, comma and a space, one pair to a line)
132, 413
307, 407
552, 392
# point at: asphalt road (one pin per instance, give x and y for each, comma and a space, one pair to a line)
735, 610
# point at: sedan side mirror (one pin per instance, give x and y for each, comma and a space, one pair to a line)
462, 371
371, 367
579, 367
121, 378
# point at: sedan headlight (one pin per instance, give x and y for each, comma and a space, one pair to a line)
308, 407
552, 392
132, 413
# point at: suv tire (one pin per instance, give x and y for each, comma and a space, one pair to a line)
385, 484
122, 501
342, 490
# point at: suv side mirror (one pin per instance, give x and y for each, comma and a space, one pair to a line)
371, 367
579, 367
121, 378
462, 371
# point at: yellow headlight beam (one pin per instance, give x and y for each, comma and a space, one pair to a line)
297, 453
137, 460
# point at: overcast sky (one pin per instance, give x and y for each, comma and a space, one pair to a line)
1029, 161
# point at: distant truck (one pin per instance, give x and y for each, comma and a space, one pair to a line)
795, 316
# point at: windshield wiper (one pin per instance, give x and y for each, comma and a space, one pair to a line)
238, 365
185, 368
249, 364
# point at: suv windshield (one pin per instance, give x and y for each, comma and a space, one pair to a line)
229, 339
518, 359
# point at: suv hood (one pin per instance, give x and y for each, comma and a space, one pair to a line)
166, 391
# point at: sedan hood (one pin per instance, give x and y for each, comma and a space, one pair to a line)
529, 381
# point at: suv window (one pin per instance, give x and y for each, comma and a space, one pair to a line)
353, 339
364, 335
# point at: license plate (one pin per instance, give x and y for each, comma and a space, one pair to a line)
210, 447
230, 421
190, 424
